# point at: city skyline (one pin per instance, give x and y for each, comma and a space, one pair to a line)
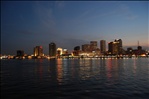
114, 48
26, 24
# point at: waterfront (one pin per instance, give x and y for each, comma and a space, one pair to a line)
75, 78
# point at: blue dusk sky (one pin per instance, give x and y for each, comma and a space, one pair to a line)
26, 24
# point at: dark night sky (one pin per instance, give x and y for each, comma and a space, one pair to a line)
27, 24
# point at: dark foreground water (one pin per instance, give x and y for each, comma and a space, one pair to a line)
75, 79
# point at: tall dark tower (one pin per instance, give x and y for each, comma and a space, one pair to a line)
110, 45
113, 47
103, 46
52, 49
93, 45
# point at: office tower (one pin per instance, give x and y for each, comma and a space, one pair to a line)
103, 46
38, 51
93, 45
52, 49
20, 53
110, 47
86, 47
120, 49
113, 47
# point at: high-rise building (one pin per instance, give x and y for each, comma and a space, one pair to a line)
116, 47
52, 49
38, 51
20, 53
93, 45
120, 49
103, 46
86, 47
113, 47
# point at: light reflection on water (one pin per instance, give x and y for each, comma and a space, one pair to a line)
68, 78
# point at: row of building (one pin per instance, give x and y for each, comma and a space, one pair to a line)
114, 48
38, 51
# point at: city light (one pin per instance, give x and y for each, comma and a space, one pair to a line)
115, 50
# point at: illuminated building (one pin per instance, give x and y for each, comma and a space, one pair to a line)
93, 45
86, 48
103, 46
116, 47
59, 51
38, 51
20, 53
113, 47
65, 51
52, 49
119, 42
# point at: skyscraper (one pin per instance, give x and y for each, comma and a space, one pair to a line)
52, 49
110, 47
116, 47
103, 46
38, 51
113, 47
86, 47
93, 45
120, 49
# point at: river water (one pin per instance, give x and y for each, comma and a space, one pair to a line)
75, 78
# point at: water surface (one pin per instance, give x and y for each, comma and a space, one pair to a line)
75, 78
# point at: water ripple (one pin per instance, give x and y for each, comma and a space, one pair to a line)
74, 78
